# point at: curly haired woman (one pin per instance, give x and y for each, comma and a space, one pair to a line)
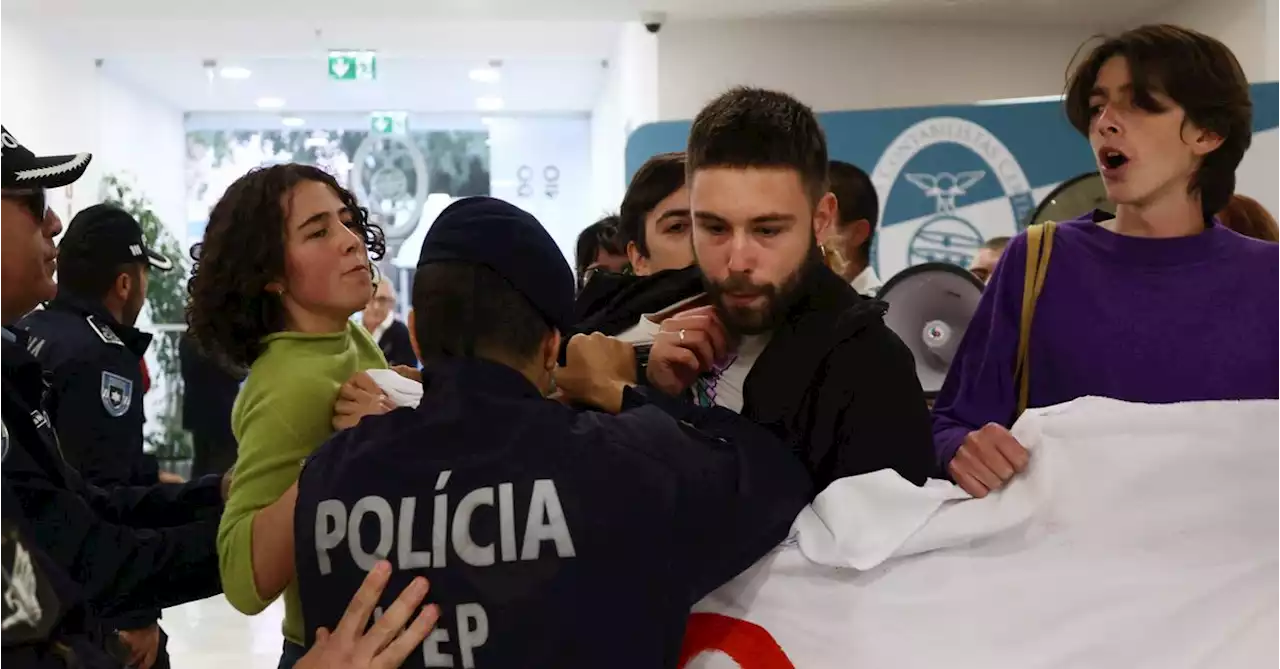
284, 264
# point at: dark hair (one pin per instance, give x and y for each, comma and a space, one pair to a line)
230, 310
601, 235
857, 198
1249, 218
462, 309
91, 280
655, 181
996, 243
1200, 75
752, 127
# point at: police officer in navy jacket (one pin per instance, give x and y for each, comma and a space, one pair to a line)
86, 339
78, 533
553, 537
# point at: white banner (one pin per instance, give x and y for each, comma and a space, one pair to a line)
1141, 536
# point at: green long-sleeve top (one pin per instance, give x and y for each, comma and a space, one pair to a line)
283, 413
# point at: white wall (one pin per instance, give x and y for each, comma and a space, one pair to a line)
48, 104
1248, 27
144, 140
55, 100
628, 100
836, 64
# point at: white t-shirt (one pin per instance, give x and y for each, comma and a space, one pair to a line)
724, 385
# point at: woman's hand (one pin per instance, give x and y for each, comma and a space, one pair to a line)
359, 397
388, 642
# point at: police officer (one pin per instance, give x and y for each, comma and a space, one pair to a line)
553, 537
128, 548
86, 341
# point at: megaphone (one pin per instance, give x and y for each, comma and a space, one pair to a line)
930, 306
1072, 198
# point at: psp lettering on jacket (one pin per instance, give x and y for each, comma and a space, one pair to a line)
447, 536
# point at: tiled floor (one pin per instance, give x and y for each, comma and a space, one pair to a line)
209, 634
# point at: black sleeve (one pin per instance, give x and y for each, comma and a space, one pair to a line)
872, 411
105, 449
155, 506
120, 569
738, 487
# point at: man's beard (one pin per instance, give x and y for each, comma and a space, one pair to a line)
778, 299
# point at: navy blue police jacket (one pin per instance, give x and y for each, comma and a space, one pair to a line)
552, 537
46, 624
95, 370
129, 548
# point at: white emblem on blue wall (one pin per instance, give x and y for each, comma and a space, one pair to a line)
117, 394
946, 184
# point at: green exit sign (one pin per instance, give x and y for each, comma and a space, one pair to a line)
353, 65
389, 123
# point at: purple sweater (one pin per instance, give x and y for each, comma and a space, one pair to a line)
1135, 319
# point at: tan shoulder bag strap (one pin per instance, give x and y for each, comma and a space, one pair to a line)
1039, 244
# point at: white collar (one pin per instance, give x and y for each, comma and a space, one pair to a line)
867, 282
382, 328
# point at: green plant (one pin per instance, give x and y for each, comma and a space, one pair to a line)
167, 301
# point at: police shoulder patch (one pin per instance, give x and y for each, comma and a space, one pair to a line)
104, 332
117, 394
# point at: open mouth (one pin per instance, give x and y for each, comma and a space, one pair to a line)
1112, 159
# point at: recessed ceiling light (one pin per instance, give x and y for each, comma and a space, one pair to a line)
270, 103
293, 122
486, 75
235, 73
489, 103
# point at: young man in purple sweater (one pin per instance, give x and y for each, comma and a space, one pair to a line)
1158, 304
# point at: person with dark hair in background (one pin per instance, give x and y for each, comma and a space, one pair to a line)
208, 395
984, 263
785, 341
379, 318
1159, 303
598, 249
85, 338
654, 224
850, 239
286, 260
651, 500
124, 549
1248, 217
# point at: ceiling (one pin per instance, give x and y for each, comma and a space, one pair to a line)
436, 85
554, 52
1076, 12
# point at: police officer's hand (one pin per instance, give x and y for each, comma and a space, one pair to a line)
987, 459
170, 477
359, 397
411, 373
688, 345
596, 370
388, 642
143, 644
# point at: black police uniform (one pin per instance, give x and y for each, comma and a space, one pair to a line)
129, 548
45, 621
552, 537
95, 399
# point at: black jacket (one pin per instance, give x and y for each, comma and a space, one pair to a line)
208, 393
396, 346
529, 516
840, 387
834, 382
46, 624
613, 303
130, 548
95, 368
